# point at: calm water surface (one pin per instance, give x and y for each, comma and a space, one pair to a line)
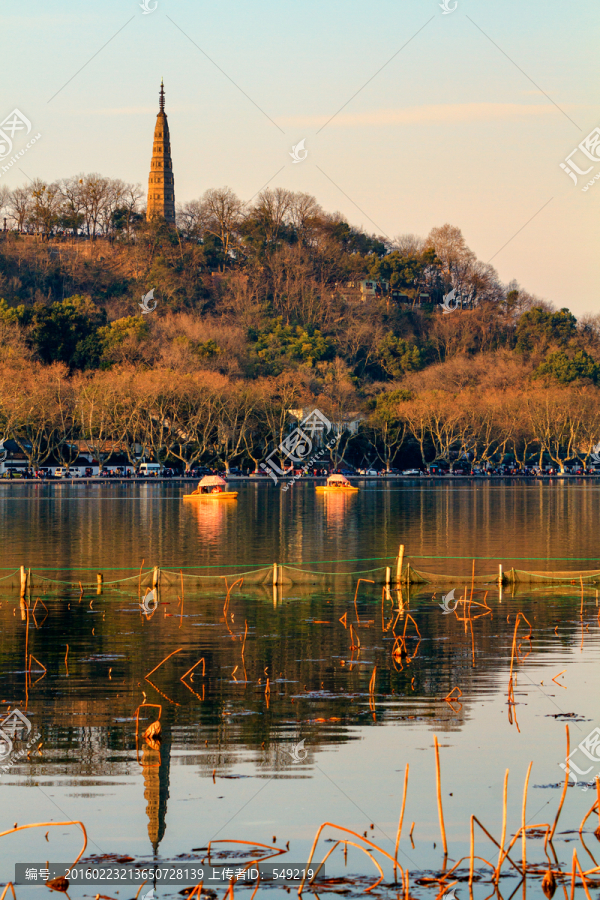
225, 769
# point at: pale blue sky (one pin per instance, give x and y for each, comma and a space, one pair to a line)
450, 130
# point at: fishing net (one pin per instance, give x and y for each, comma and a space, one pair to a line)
175, 582
511, 576
518, 576
338, 575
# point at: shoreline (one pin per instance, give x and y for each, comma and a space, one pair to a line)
241, 479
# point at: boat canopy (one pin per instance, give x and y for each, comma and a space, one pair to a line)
212, 481
337, 479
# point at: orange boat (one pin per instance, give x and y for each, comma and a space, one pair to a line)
336, 484
211, 488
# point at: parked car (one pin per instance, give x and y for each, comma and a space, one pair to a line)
366, 472
63, 472
411, 472
149, 470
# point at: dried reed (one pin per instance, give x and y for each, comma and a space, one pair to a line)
52, 825
449, 696
592, 809
582, 876
201, 660
367, 581
495, 842
152, 737
524, 820
399, 832
277, 851
438, 781
364, 840
372, 681
140, 581
564, 790
351, 844
31, 656
472, 857
503, 837
163, 661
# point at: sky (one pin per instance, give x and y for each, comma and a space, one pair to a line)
411, 115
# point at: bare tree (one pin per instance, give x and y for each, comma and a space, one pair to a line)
20, 206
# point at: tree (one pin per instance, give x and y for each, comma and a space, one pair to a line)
439, 426
565, 369
222, 214
387, 425
46, 207
397, 356
31, 404
20, 206
538, 328
237, 404
555, 420
473, 280
405, 272
62, 332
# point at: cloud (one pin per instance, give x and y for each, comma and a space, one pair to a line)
429, 115
122, 111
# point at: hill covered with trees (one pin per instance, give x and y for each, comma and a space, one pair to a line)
269, 306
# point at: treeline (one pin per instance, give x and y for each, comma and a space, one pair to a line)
260, 310
208, 418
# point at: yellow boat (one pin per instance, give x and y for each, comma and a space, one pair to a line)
336, 484
221, 495
206, 490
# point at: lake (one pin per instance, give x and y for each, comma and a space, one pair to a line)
313, 696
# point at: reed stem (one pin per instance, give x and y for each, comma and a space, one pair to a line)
439, 795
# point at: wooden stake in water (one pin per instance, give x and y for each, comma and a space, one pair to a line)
100, 580
23, 581
399, 564
275, 574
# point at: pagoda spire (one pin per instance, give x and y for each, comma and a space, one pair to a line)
161, 187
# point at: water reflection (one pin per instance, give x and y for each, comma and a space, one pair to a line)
357, 682
156, 766
337, 506
67, 526
213, 519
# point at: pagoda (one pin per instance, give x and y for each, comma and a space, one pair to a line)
161, 188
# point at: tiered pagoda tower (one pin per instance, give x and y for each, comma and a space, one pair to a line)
161, 187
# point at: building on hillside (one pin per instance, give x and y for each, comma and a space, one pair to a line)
161, 186
376, 289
